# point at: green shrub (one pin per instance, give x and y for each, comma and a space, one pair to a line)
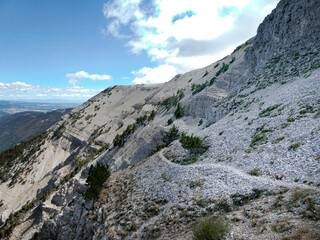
96, 177
196, 88
211, 228
223, 69
141, 120
190, 141
180, 94
255, 172
152, 115
212, 80
200, 122
172, 101
179, 111
170, 121
171, 136
294, 146
119, 140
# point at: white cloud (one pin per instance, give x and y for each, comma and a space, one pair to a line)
185, 34
158, 74
21, 90
75, 77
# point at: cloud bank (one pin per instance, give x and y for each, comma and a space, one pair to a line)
181, 35
75, 77
21, 90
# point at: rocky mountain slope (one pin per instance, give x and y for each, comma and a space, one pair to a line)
20, 127
238, 138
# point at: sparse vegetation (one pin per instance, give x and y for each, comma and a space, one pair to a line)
191, 142
279, 139
21, 153
59, 131
152, 115
211, 228
255, 172
258, 139
195, 146
196, 88
300, 194
223, 69
179, 111
119, 140
172, 101
281, 227
232, 60
170, 121
266, 112
14, 218
170, 136
294, 146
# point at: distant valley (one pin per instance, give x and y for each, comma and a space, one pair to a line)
11, 107
19, 127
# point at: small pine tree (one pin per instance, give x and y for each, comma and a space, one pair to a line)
152, 115
96, 177
179, 112
172, 135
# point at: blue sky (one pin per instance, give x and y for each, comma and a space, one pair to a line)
71, 50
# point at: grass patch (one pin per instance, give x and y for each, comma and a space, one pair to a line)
211, 228
300, 194
258, 139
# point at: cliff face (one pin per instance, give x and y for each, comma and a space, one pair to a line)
256, 114
291, 28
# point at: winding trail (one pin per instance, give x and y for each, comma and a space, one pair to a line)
234, 170
214, 168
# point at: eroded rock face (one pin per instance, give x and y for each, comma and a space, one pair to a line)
292, 26
205, 107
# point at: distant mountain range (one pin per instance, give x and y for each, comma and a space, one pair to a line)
19, 127
11, 107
